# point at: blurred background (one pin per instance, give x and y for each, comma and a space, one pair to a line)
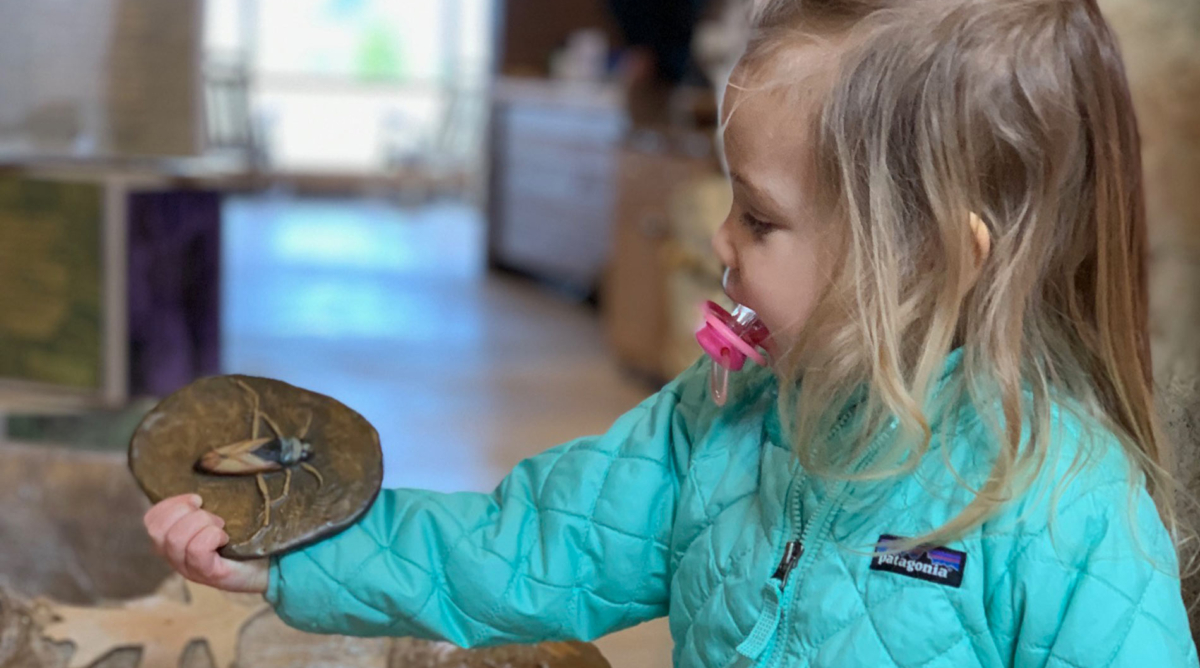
482, 224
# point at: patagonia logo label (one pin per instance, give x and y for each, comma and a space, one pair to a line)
932, 564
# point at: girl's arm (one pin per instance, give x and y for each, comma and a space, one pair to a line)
573, 544
1097, 586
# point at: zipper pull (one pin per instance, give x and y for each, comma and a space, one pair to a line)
791, 555
762, 635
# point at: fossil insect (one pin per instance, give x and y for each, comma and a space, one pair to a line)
260, 455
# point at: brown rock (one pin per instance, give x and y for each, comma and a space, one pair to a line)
218, 411
21, 644
163, 626
269, 643
412, 653
71, 529
265, 642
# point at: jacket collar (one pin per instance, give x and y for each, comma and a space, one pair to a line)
951, 368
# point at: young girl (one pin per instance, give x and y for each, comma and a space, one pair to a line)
952, 459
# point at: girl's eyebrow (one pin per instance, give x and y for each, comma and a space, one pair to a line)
759, 193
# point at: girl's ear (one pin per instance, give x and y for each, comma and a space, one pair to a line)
983, 246
983, 239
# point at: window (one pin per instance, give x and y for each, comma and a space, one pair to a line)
358, 85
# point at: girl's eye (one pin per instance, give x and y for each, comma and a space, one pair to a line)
758, 227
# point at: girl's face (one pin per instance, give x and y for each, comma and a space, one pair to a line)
776, 249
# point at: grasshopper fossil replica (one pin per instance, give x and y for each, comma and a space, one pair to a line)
260, 455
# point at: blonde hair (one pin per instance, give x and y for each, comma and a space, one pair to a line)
1017, 111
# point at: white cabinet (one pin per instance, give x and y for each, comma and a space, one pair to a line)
552, 186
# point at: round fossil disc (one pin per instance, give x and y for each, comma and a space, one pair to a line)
219, 411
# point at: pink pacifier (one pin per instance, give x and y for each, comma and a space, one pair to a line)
729, 339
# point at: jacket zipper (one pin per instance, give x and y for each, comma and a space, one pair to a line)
763, 635
821, 519
773, 615
816, 529
791, 554
795, 550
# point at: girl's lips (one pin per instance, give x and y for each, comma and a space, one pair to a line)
729, 284
735, 296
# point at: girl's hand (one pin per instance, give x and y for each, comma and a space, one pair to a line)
188, 538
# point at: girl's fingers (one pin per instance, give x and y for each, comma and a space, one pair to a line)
201, 561
164, 514
181, 534
189, 537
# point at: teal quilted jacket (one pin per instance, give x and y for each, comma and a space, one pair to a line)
700, 513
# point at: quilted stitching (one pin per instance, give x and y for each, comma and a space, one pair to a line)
695, 612
673, 511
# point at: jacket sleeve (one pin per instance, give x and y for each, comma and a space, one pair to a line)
573, 544
1096, 586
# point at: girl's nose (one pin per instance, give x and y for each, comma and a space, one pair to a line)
722, 244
